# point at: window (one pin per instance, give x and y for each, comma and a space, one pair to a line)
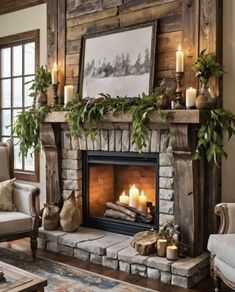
19, 57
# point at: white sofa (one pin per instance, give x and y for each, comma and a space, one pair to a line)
222, 247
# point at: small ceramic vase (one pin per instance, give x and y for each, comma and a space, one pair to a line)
41, 99
50, 217
203, 100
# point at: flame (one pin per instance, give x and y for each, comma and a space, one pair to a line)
142, 193
123, 193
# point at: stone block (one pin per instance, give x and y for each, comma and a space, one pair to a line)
51, 235
111, 3
74, 143
70, 184
166, 183
140, 270
160, 263
166, 171
110, 263
166, 207
71, 154
165, 277
112, 251
125, 267
41, 243
165, 194
81, 235
153, 273
166, 159
189, 266
131, 256
66, 140
53, 246
180, 281
81, 254
71, 164
67, 250
163, 218
69, 174
96, 259
99, 246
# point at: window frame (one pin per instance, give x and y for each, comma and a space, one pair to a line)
10, 41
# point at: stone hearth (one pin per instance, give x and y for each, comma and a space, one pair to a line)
113, 251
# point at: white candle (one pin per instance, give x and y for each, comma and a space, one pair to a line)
68, 93
191, 94
54, 74
124, 198
171, 252
142, 206
134, 197
179, 60
161, 247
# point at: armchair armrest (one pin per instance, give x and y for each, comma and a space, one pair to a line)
26, 199
226, 211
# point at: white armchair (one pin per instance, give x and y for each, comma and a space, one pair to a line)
222, 247
24, 222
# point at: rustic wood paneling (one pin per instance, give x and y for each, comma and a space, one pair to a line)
7, 6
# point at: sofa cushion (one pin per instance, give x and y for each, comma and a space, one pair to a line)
14, 222
223, 246
5, 168
227, 270
6, 192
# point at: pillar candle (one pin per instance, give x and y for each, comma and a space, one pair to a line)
179, 60
134, 197
142, 205
191, 94
124, 198
161, 247
54, 74
171, 252
68, 93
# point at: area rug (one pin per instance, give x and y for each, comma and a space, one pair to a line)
64, 278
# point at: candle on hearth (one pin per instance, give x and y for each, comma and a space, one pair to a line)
134, 197
191, 94
142, 206
54, 74
171, 252
179, 60
68, 93
124, 198
161, 247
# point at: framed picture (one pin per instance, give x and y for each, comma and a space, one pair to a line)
119, 62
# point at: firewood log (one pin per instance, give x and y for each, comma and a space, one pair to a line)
118, 215
121, 209
145, 242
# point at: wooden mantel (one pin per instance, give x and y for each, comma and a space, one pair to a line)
172, 116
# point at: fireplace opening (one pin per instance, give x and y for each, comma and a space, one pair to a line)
120, 191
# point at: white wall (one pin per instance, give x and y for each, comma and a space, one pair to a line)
22, 21
228, 170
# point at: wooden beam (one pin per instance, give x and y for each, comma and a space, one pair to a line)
8, 6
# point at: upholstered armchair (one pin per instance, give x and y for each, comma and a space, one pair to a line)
222, 247
24, 221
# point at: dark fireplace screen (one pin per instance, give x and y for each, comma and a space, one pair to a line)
121, 191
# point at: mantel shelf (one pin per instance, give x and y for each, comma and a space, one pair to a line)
173, 116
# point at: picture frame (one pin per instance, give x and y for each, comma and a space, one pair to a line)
120, 62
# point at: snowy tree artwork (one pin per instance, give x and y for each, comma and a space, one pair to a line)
119, 63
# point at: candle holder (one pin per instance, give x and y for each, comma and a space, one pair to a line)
179, 91
54, 94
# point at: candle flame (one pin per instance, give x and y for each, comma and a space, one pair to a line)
123, 193
142, 193
179, 47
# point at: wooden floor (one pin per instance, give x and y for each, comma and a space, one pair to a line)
23, 244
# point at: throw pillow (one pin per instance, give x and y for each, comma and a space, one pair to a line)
6, 190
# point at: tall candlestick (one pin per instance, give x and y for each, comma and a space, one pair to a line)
191, 94
179, 60
142, 206
134, 197
54, 74
124, 198
68, 93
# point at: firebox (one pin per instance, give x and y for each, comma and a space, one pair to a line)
120, 191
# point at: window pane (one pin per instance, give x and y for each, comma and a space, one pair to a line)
15, 113
29, 162
6, 93
5, 62
17, 60
18, 161
29, 61
28, 100
6, 121
17, 92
